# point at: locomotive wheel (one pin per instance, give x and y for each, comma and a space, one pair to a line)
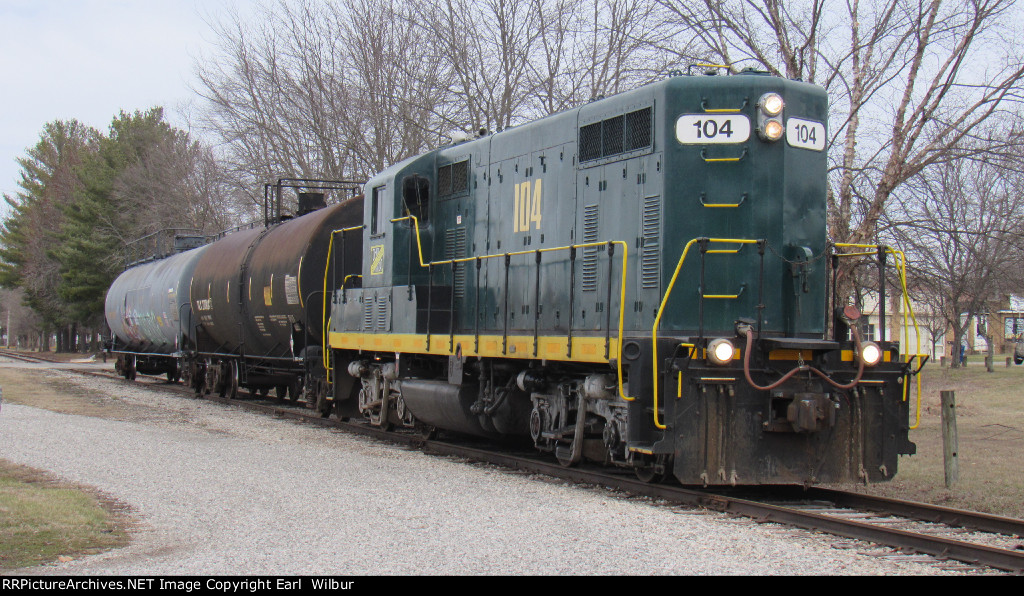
649, 476
564, 460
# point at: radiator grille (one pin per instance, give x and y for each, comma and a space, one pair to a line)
616, 135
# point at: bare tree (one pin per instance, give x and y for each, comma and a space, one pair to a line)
398, 98
345, 90
962, 225
321, 91
909, 81
177, 183
591, 48
488, 45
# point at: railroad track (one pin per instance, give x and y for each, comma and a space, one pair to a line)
943, 533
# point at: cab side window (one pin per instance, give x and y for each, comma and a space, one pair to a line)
416, 197
378, 211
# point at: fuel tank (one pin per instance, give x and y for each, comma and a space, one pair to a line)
147, 306
259, 292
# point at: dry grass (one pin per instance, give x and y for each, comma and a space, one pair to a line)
30, 388
990, 425
43, 520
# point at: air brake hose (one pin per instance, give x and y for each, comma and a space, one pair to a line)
746, 366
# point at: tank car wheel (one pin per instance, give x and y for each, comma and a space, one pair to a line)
281, 391
198, 379
231, 380
212, 382
129, 368
263, 392
174, 374
294, 390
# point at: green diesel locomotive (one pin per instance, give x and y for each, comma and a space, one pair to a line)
642, 281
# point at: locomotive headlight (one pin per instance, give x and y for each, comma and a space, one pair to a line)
870, 353
773, 130
721, 351
771, 104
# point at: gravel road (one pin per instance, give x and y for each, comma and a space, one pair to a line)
217, 490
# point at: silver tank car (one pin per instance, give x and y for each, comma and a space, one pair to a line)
149, 313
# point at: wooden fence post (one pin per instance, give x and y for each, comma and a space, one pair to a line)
949, 438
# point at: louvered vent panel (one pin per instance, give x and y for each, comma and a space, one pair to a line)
455, 248
382, 314
650, 255
368, 306
591, 219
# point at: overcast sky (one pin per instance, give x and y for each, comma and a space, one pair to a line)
90, 59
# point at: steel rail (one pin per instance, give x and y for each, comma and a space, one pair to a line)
926, 512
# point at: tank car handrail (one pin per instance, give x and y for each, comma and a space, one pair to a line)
622, 283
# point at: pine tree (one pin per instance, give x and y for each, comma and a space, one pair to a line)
100, 221
49, 180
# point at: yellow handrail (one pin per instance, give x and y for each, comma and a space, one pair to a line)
661, 310
901, 269
622, 284
327, 267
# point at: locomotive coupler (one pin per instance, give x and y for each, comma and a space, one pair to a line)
804, 412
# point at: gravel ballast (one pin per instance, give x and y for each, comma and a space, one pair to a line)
216, 490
